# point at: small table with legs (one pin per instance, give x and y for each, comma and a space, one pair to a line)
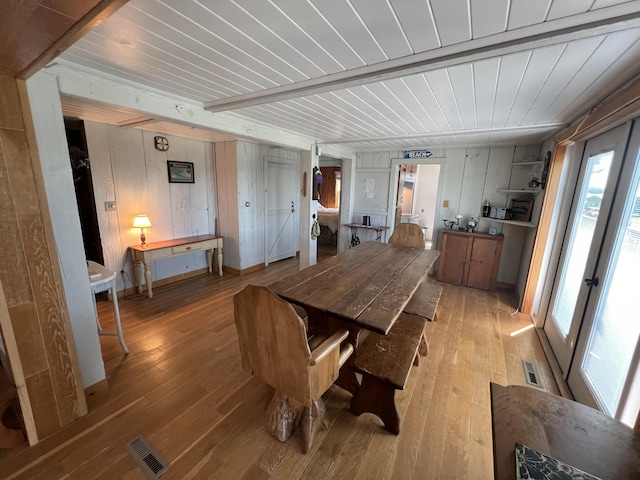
354, 232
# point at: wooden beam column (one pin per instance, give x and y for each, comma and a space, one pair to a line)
34, 318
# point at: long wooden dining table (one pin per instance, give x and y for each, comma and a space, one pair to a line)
366, 287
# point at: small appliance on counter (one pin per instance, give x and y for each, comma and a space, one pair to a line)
499, 213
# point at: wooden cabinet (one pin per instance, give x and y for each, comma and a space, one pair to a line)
470, 259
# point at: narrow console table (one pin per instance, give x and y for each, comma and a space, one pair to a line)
354, 232
145, 254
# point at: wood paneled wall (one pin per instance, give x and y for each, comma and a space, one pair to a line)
470, 176
328, 188
127, 169
33, 314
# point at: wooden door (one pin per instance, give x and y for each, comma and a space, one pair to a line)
482, 260
281, 209
453, 258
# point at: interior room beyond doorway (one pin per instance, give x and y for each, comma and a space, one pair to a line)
417, 193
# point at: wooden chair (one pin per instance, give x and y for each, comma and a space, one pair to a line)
408, 235
274, 347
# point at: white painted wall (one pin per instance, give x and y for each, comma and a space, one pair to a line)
240, 180
126, 168
46, 112
469, 176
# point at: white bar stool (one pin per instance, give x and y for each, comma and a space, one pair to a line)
102, 279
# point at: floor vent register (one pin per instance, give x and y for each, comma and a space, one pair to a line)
148, 458
531, 374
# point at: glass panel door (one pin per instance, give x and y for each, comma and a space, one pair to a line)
586, 228
607, 350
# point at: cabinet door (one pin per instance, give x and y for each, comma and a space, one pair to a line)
452, 259
483, 263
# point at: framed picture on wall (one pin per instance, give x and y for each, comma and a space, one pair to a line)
180, 172
521, 209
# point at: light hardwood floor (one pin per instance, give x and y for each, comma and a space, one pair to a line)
182, 386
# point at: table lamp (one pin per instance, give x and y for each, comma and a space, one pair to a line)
142, 222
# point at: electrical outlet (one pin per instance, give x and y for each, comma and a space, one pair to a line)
109, 206
445, 204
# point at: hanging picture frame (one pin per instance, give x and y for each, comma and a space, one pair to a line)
180, 172
521, 209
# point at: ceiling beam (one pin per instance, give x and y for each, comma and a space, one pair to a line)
98, 14
95, 88
597, 22
518, 128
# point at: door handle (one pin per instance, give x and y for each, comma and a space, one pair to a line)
592, 282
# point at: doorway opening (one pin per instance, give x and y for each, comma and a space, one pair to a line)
83, 184
329, 211
417, 197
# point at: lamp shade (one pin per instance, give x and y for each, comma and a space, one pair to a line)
141, 221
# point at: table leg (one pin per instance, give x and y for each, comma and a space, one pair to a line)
137, 273
116, 314
209, 254
219, 250
147, 277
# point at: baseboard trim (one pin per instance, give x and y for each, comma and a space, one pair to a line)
167, 281
245, 271
553, 364
101, 387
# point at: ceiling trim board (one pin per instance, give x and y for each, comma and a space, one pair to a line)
563, 30
83, 85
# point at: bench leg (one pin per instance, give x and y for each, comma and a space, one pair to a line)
283, 416
423, 348
347, 379
377, 397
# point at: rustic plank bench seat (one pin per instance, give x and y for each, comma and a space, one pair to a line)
385, 362
424, 301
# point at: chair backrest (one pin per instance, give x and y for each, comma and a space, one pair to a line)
408, 235
273, 341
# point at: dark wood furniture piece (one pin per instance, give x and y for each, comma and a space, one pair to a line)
470, 259
563, 429
274, 347
424, 302
366, 287
385, 362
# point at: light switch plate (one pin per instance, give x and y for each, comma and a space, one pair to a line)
109, 206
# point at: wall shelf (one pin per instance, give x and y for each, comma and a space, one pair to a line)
516, 223
528, 192
524, 164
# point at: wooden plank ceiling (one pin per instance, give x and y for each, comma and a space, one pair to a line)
33, 32
377, 74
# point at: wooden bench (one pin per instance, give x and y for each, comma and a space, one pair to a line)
385, 362
424, 301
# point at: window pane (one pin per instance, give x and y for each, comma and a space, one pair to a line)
572, 276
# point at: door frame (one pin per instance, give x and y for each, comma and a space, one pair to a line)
619, 134
623, 183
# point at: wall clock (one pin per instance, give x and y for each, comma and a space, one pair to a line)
161, 143
493, 231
